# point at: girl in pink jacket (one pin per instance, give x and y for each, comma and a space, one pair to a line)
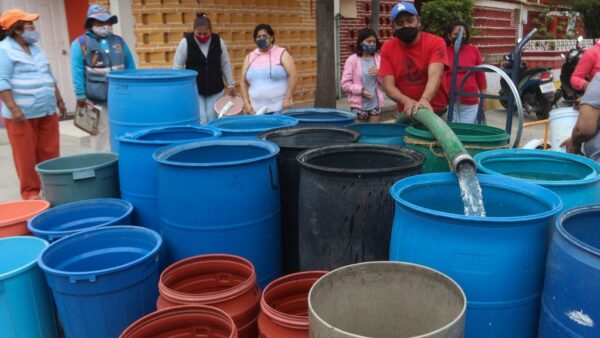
360, 81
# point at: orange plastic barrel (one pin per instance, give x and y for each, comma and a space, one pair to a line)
14, 216
284, 306
224, 281
188, 321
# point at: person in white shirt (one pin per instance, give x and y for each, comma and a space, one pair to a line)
206, 53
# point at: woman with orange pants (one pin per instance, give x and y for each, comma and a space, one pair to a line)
30, 95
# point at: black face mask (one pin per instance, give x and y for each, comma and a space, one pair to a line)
407, 34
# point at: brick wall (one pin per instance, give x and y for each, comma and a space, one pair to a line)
103, 3
495, 32
495, 29
160, 25
349, 28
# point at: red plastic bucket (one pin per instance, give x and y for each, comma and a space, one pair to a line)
188, 321
224, 281
14, 216
284, 306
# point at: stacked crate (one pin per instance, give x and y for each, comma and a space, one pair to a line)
103, 3
161, 24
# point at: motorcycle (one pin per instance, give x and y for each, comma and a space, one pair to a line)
536, 88
566, 91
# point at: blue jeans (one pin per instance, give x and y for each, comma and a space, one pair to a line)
465, 113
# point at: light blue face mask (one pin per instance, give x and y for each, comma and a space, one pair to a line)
30, 37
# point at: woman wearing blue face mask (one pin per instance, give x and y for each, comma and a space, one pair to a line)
360, 81
30, 96
269, 74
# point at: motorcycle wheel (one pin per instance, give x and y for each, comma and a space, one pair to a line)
546, 107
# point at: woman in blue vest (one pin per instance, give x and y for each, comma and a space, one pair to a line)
93, 55
206, 53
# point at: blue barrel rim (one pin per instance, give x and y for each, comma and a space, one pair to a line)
287, 121
558, 224
134, 137
52, 235
111, 270
460, 317
163, 74
346, 115
162, 155
499, 182
480, 157
39, 169
417, 157
287, 131
29, 265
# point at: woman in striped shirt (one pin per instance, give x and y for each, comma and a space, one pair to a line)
30, 95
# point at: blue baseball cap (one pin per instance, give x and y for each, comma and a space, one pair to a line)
403, 7
97, 12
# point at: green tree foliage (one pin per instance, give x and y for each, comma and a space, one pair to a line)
590, 10
436, 15
542, 23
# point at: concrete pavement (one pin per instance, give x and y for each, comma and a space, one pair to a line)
75, 141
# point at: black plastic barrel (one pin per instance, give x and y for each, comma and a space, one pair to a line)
345, 209
291, 142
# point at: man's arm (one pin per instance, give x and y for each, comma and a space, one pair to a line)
434, 78
389, 87
583, 68
585, 128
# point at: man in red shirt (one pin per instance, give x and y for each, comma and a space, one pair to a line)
587, 68
413, 63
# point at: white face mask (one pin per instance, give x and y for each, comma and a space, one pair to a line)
101, 31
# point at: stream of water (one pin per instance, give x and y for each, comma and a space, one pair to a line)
470, 190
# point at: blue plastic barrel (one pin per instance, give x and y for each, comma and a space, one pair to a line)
575, 179
103, 279
26, 309
251, 125
322, 116
70, 218
380, 133
498, 260
222, 196
149, 98
570, 303
138, 170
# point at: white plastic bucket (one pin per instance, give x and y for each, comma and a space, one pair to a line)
562, 121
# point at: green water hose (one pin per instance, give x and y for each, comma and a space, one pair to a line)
454, 149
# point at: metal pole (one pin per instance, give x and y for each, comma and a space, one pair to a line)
375, 15
453, 93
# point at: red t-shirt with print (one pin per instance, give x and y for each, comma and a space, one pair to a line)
409, 67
